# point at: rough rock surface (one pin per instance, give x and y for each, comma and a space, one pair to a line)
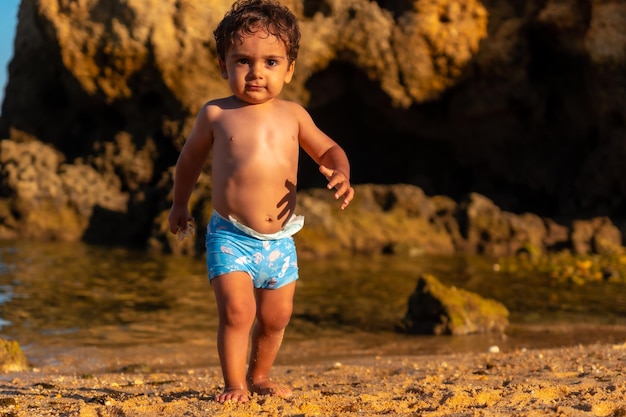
436, 309
50, 199
12, 359
522, 103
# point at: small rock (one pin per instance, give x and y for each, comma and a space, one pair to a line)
12, 359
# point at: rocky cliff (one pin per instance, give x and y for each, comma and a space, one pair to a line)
522, 102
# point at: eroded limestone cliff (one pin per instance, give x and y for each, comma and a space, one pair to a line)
523, 102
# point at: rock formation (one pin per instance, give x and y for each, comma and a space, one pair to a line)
436, 309
12, 359
521, 102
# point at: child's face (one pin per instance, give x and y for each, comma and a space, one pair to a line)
256, 67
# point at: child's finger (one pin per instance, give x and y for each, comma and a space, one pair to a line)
348, 196
327, 172
342, 189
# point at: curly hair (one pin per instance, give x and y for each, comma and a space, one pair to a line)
249, 16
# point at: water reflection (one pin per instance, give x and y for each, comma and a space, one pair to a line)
64, 295
97, 294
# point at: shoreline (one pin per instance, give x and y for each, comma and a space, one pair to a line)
199, 350
582, 380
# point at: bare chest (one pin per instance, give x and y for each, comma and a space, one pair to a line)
248, 137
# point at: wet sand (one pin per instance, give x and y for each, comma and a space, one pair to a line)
582, 380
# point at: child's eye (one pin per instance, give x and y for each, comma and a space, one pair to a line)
272, 62
243, 61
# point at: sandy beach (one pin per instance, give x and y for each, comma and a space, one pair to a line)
587, 380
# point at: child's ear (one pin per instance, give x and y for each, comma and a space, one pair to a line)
290, 71
223, 69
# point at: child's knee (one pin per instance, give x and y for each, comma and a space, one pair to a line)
237, 314
276, 320
281, 322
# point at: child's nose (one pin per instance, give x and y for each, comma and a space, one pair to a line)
256, 69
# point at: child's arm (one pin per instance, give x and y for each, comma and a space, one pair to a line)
188, 168
330, 157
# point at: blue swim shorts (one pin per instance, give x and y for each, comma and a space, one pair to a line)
271, 263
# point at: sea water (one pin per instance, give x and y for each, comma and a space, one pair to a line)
73, 305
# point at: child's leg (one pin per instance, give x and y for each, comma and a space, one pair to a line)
274, 308
236, 308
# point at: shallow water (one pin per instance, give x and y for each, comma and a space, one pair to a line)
87, 307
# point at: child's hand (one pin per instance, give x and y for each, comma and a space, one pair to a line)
181, 224
339, 180
189, 231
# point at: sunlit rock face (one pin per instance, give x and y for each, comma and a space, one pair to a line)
97, 67
524, 102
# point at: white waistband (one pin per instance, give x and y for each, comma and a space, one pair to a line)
293, 226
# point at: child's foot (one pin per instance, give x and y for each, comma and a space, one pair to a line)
265, 386
232, 394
